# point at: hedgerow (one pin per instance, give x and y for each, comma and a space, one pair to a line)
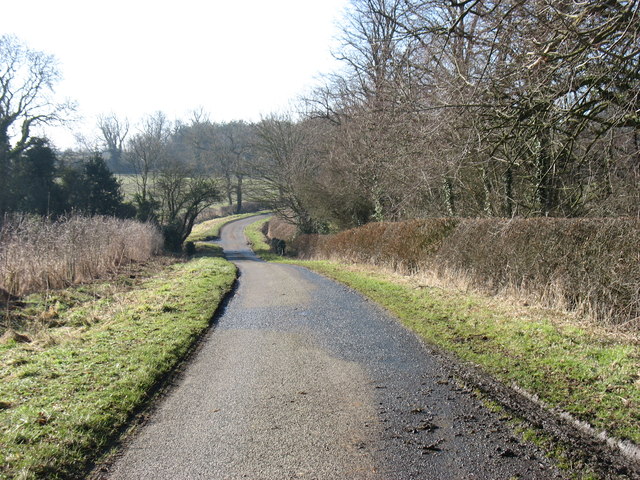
586, 264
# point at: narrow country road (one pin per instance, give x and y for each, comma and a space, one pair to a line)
303, 378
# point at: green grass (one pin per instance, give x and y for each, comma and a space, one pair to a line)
594, 378
65, 397
593, 375
129, 187
257, 241
210, 229
128, 184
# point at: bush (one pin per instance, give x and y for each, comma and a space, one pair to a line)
38, 254
589, 264
279, 228
172, 237
190, 248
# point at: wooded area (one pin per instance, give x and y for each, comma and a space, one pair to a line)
474, 108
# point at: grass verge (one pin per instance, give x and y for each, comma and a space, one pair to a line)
589, 373
64, 397
210, 229
258, 242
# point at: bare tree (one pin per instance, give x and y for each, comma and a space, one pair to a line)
485, 107
237, 146
226, 150
209, 151
148, 151
182, 193
287, 168
27, 79
114, 133
173, 189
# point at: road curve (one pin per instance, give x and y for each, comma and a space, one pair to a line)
303, 378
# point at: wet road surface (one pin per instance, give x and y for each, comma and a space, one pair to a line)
303, 378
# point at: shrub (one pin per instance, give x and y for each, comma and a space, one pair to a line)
282, 236
587, 264
278, 228
190, 248
172, 235
38, 254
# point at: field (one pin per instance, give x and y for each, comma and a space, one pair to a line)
253, 190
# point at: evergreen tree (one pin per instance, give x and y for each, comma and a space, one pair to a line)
33, 188
104, 193
93, 189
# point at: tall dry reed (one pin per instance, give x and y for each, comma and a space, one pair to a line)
38, 254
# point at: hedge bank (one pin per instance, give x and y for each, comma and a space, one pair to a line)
587, 264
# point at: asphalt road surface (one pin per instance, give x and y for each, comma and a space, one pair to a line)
303, 378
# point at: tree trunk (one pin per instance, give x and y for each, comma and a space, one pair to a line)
486, 187
449, 199
4, 175
5, 170
239, 194
508, 192
543, 176
229, 189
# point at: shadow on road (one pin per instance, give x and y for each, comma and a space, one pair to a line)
234, 256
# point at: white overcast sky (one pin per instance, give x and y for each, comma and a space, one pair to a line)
235, 59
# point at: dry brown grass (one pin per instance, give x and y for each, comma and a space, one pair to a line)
38, 254
589, 266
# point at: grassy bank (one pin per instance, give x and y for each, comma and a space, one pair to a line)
258, 241
64, 396
594, 377
576, 366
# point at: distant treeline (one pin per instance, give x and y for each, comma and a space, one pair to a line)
481, 108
